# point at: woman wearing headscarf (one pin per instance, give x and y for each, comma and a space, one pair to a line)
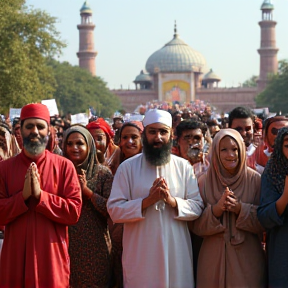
89, 239
103, 137
53, 142
8, 148
130, 145
8, 144
231, 254
273, 211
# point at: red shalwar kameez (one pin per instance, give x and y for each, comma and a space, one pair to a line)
35, 248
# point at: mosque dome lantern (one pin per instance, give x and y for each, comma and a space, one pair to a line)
267, 5
176, 56
210, 79
143, 80
86, 8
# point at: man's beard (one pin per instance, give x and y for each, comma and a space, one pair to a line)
35, 147
154, 155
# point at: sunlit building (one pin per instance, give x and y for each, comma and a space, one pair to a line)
177, 72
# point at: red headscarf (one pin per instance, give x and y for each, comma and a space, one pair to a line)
35, 110
100, 123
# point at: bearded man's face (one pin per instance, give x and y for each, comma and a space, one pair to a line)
35, 135
157, 144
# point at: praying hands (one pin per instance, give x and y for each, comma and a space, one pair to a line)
32, 185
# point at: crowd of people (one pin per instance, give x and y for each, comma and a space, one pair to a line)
180, 199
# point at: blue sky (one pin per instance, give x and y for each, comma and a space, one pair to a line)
127, 32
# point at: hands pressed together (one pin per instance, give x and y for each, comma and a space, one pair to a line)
228, 202
160, 191
32, 185
83, 183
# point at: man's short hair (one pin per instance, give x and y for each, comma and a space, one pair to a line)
240, 113
190, 124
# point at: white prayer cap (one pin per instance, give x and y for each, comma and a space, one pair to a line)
157, 116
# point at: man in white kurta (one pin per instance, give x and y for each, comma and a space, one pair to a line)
157, 250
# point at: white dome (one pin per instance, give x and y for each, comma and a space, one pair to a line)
175, 56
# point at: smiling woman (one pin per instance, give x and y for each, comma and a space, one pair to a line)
229, 151
229, 225
89, 239
77, 149
130, 139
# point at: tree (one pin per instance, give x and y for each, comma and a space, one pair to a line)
28, 37
275, 96
251, 82
77, 89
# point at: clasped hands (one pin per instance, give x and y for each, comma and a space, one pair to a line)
160, 191
228, 202
83, 183
32, 185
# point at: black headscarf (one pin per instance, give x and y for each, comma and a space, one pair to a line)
277, 166
91, 160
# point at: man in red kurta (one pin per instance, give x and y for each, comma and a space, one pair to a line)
39, 196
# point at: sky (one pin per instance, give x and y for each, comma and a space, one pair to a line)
225, 32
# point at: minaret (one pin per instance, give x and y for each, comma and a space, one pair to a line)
87, 53
268, 51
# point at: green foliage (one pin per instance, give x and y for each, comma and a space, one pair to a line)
77, 89
28, 37
251, 82
28, 43
275, 96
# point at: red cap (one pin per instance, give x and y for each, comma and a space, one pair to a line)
35, 110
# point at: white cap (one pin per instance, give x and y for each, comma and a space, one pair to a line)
157, 116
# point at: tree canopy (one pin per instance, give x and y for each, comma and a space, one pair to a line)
275, 96
77, 89
28, 73
251, 82
28, 37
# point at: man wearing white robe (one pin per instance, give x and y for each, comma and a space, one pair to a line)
154, 196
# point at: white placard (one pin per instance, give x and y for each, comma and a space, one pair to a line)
52, 106
14, 112
80, 118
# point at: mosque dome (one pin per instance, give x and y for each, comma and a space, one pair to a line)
175, 56
86, 8
267, 5
211, 76
143, 77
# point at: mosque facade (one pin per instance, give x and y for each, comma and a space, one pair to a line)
177, 72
